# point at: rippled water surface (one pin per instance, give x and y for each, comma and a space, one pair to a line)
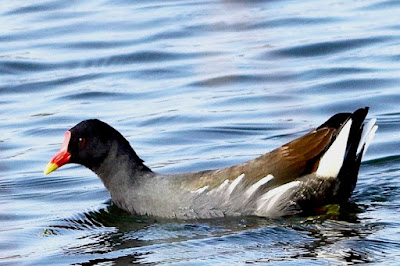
193, 85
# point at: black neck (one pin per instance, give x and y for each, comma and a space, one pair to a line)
121, 165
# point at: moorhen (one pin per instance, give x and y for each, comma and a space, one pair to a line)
314, 170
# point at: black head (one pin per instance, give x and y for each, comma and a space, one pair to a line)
89, 143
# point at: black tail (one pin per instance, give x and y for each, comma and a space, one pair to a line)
351, 165
357, 141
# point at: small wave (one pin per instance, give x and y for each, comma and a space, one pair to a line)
327, 47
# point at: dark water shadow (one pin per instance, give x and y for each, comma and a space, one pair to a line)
112, 235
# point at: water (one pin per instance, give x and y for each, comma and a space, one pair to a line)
193, 85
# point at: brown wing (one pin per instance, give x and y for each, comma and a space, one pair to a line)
285, 163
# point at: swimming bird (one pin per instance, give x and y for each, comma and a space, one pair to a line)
311, 171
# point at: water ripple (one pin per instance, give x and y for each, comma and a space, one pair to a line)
18, 66
37, 86
328, 47
193, 85
33, 8
382, 5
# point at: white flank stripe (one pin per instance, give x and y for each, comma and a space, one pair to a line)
200, 190
332, 160
250, 191
235, 183
222, 186
271, 197
364, 136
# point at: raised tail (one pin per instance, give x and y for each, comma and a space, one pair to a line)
343, 156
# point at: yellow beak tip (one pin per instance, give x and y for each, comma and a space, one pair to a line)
50, 167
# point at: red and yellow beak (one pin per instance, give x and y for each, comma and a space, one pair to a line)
62, 156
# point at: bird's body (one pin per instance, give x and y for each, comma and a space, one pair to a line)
318, 168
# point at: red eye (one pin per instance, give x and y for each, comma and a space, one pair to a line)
81, 142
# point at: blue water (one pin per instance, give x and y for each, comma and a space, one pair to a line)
193, 85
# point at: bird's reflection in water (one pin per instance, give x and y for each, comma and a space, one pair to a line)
121, 237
